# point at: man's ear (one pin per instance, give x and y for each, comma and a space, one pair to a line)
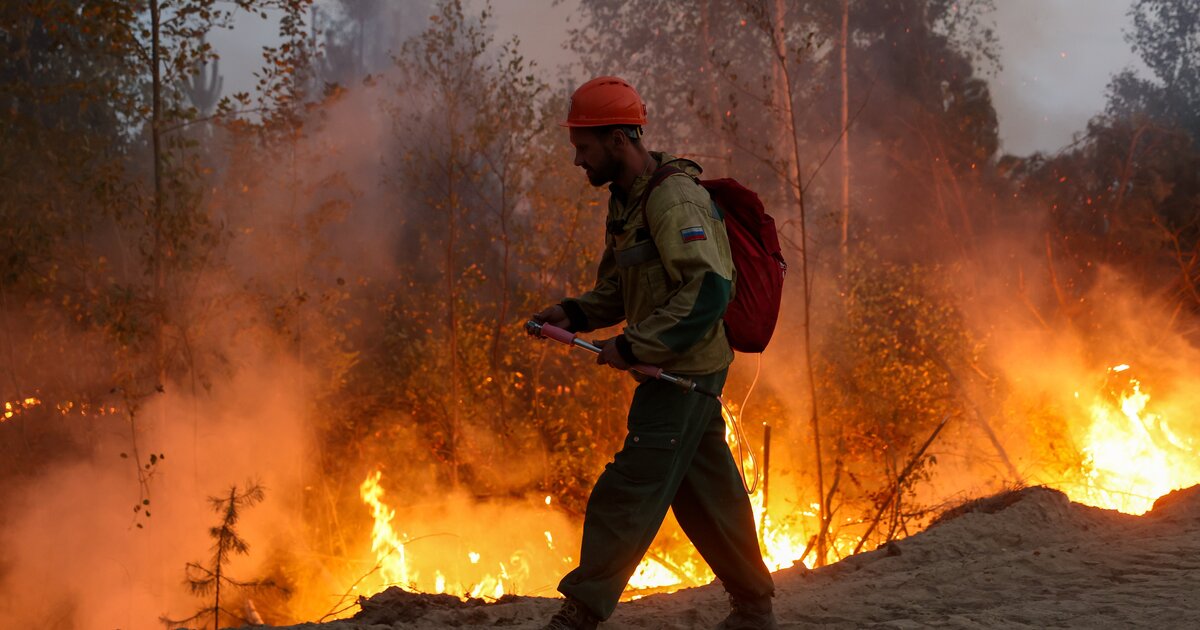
618, 138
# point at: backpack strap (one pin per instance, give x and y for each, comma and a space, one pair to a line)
656, 178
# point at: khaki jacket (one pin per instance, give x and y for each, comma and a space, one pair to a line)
670, 281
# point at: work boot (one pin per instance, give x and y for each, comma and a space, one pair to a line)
749, 614
572, 616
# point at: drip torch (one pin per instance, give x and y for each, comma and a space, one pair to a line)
571, 339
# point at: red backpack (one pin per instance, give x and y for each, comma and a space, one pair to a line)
751, 316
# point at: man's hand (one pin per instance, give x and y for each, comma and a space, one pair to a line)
609, 355
553, 315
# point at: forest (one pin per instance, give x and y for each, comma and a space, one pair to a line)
302, 305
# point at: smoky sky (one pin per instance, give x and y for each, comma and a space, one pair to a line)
1056, 58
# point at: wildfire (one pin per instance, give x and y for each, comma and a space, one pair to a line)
1131, 454
783, 542
652, 574
15, 407
385, 542
463, 570
456, 568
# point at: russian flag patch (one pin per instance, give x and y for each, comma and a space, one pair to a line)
695, 233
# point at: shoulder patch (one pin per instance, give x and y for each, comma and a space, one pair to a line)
694, 233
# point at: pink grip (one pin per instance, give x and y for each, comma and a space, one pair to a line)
558, 334
648, 370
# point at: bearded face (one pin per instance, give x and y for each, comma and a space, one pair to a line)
596, 155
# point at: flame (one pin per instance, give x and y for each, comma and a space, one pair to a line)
783, 542
471, 573
670, 565
16, 407
1131, 455
653, 574
385, 542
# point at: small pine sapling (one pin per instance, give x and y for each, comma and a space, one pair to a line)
211, 580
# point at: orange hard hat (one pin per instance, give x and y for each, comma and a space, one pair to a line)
606, 101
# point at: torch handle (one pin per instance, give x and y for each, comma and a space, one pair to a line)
553, 332
571, 339
648, 370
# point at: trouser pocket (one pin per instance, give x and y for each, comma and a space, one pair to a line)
647, 456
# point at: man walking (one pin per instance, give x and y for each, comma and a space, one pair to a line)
668, 273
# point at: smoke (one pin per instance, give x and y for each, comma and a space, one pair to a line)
1044, 340
315, 229
313, 236
1057, 61
75, 554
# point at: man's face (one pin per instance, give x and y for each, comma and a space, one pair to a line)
596, 155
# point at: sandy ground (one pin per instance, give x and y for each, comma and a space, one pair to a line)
1028, 559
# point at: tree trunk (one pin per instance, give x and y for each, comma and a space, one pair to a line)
796, 194
157, 221
782, 103
845, 136
505, 302
506, 247
719, 146
452, 291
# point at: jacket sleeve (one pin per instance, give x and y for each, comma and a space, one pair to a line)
699, 269
603, 306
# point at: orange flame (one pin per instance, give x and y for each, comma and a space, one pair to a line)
15, 407
456, 569
1131, 454
385, 542
783, 542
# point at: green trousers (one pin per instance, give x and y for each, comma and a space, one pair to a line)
675, 457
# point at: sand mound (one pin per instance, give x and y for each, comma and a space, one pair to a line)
1023, 559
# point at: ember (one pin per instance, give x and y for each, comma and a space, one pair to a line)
15, 407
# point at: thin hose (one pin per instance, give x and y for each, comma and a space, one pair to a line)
731, 420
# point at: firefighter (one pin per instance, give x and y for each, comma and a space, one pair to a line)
668, 274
